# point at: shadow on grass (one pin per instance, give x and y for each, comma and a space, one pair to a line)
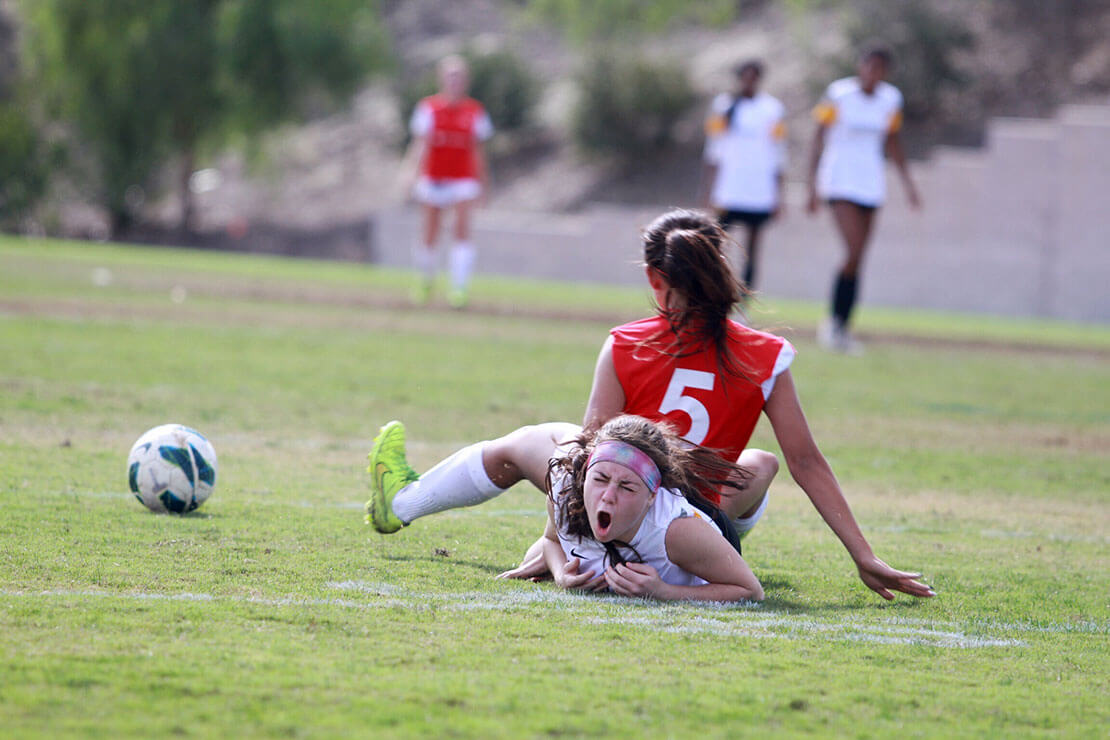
868, 603
446, 560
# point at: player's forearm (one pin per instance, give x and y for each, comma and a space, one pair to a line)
815, 152
709, 592
813, 474
553, 555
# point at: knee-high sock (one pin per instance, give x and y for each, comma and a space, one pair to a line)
749, 272
462, 263
424, 261
460, 480
844, 297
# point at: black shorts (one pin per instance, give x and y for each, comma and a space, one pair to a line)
861, 206
728, 530
751, 219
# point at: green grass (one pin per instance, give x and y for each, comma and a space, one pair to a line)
973, 449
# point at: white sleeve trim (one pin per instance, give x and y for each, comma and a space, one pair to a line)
421, 121
782, 362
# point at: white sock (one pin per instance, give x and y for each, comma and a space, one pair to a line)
424, 261
460, 480
462, 264
746, 524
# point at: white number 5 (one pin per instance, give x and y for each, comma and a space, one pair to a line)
673, 400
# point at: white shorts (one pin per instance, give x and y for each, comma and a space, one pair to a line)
747, 524
447, 192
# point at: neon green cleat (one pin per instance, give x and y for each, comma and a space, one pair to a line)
422, 292
389, 473
458, 299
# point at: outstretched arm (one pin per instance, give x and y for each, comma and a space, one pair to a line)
812, 472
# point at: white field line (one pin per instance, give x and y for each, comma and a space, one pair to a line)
732, 620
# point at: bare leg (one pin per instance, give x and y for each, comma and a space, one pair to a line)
763, 466
432, 219
524, 454
462, 220
855, 224
751, 254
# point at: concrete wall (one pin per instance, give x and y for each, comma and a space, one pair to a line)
1019, 228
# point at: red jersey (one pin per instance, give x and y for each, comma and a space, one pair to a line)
451, 132
704, 403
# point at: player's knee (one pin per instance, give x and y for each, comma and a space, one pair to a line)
763, 465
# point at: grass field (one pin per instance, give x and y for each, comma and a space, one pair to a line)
975, 450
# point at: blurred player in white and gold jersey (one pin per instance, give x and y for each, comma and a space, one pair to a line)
744, 157
858, 122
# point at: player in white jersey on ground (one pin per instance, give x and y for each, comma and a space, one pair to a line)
624, 512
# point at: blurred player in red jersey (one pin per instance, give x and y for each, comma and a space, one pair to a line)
449, 168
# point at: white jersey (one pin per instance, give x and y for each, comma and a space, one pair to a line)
852, 163
649, 542
748, 149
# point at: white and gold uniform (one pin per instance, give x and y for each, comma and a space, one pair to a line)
852, 163
745, 139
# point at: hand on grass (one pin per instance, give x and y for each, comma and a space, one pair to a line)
532, 568
882, 579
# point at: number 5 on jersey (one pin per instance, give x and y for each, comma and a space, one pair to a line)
674, 400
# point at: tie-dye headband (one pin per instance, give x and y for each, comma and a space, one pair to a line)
633, 458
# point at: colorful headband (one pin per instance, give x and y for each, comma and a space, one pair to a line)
633, 458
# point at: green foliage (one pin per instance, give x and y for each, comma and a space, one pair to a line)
273, 611
595, 20
927, 43
500, 80
627, 105
23, 164
141, 81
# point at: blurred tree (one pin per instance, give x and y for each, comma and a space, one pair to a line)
22, 152
628, 106
141, 81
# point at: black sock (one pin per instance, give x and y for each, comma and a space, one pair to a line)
844, 297
749, 273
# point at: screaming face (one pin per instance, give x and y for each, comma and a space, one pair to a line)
616, 500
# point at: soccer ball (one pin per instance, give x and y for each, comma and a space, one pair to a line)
172, 468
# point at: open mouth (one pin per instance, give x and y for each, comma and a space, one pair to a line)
604, 519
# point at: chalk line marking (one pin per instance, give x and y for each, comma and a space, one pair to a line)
717, 619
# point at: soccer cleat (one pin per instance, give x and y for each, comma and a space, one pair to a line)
458, 298
389, 473
422, 292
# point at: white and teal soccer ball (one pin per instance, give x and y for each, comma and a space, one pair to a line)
172, 468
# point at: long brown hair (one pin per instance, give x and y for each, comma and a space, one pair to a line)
686, 247
691, 470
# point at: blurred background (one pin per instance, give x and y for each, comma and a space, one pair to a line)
278, 126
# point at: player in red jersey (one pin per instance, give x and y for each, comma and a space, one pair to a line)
449, 168
709, 376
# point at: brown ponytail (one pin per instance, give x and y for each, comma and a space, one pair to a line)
686, 248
